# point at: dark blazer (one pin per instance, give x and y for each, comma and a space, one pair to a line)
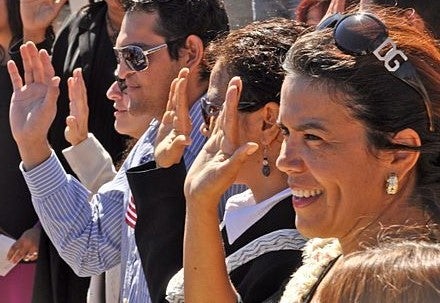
160, 207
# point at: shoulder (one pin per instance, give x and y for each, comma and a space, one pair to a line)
318, 253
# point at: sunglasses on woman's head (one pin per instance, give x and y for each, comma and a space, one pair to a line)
362, 34
135, 57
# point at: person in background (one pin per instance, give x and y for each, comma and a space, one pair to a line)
95, 235
396, 270
93, 164
360, 125
18, 219
252, 222
266, 9
85, 40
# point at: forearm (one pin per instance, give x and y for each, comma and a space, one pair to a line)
91, 163
33, 153
83, 233
205, 274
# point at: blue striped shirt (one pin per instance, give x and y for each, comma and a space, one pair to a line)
92, 236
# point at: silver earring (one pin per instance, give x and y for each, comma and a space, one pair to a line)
392, 184
266, 168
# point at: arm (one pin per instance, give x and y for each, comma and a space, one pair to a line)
91, 163
86, 235
214, 170
87, 157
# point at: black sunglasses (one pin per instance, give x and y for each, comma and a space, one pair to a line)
135, 57
209, 109
362, 34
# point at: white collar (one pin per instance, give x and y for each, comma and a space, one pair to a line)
241, 212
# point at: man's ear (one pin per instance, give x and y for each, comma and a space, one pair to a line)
192, 53
402, 161
270, 128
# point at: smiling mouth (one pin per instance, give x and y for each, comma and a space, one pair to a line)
306, 193
303, 197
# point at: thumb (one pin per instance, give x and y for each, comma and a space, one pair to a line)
244, 151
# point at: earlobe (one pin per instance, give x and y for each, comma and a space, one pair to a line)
192, 53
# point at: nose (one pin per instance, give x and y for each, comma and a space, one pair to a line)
290, 160
122, 70
114, 93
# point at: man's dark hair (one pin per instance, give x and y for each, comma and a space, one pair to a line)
180, 18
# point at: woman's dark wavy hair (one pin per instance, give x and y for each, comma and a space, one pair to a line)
384, 103
206, 19
15, 24
255, 53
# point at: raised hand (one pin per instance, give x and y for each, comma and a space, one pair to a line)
37, 15
77, 122
33, 104
26, 247
175, 128
218, 163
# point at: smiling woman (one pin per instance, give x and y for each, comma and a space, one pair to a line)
359, 114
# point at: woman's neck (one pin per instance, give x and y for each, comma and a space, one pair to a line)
395, 221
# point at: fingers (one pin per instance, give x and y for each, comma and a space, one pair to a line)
17, 82
182, 119
27, 64
49, 71
170, 103
37, 66
19, 252
230, 116
52, 92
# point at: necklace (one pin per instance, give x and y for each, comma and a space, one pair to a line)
112, 31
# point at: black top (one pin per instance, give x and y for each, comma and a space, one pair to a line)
83, 42
160, 207
16, 213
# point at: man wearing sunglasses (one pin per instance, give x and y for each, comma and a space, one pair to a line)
157, 39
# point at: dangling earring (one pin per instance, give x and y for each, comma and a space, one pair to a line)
266, 168
392, 184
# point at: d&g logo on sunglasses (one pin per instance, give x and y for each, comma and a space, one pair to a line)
390, 56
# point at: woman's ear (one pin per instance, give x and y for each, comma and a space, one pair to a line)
192, 53
402, 161
270, 128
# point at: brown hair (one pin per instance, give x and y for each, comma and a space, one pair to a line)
382, 102
255, 53
397, 271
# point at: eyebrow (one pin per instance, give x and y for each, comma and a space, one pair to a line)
313, 124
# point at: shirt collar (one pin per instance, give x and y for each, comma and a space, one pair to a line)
241, 212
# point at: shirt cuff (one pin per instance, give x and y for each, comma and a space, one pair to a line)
45, 178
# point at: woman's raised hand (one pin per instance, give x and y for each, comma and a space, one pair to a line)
218, 163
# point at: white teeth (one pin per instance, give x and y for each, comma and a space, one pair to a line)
305, 193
